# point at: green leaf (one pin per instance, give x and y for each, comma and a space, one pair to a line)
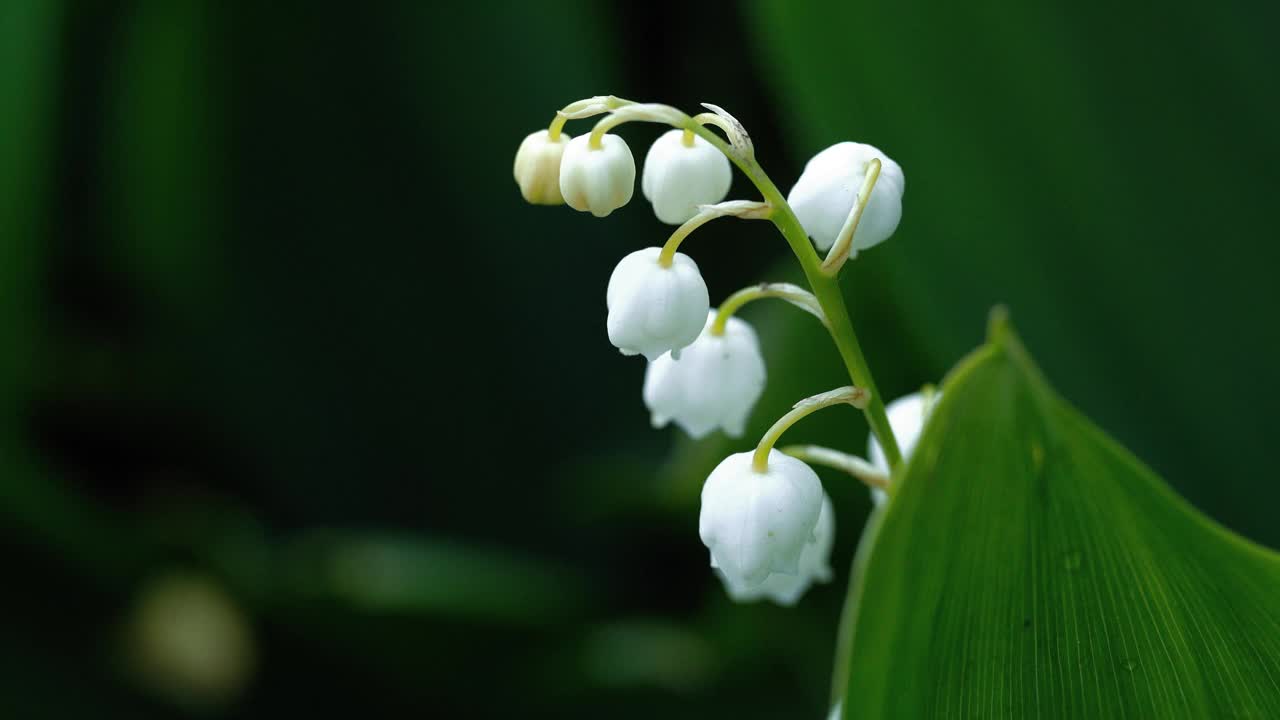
1047, 149
1031, 567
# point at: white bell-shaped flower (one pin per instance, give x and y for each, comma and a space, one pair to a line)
678, 177
758, 523
714, 384
537, 168
655, 309
907, 416
815, 566
824, 195
597, 180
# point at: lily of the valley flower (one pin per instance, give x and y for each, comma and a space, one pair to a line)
597, 179
537, 167
758, 522
815, 566
907, 416
827, 189
681, 172
654, 309
714, 384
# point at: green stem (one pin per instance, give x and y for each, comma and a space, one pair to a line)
825, 287
850, 395
668, 253
793, 294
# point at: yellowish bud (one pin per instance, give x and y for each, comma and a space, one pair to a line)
537, 168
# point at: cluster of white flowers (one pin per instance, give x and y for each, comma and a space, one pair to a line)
766, 520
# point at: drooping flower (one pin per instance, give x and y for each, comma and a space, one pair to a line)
537, 168
825, 193
757, 523
655, 309
715, 383
815, 566
597, 180
907, 416
679, 176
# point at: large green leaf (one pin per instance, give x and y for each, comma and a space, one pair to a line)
1053, 153
1031, 567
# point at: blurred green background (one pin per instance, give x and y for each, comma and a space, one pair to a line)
304, 410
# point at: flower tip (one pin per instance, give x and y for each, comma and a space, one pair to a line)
696, 432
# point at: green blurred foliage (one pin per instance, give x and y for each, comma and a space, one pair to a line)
272, 302
1103, 169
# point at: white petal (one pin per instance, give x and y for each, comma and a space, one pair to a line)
907, 416
824, 195
678, 178
785, 589
655, 310
714, 383
597, 180
758, 523
537, 168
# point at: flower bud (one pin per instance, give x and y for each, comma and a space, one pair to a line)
597, 180
714, 384
827, 189
655, 309
907, 416
678, 177
537, 168
188, 639
815, 566
758, 523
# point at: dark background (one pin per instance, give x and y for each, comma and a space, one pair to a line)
278, 329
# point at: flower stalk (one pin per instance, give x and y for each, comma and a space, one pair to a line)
822, 282
793, 294
847, 395
744, 209
826, 289
864, 471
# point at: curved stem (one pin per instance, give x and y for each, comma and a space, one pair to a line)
557, 124
745, 209
630, 112
668, 254
852, 464
793, 294
585, 108
825, 287
847, 395
707, 118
